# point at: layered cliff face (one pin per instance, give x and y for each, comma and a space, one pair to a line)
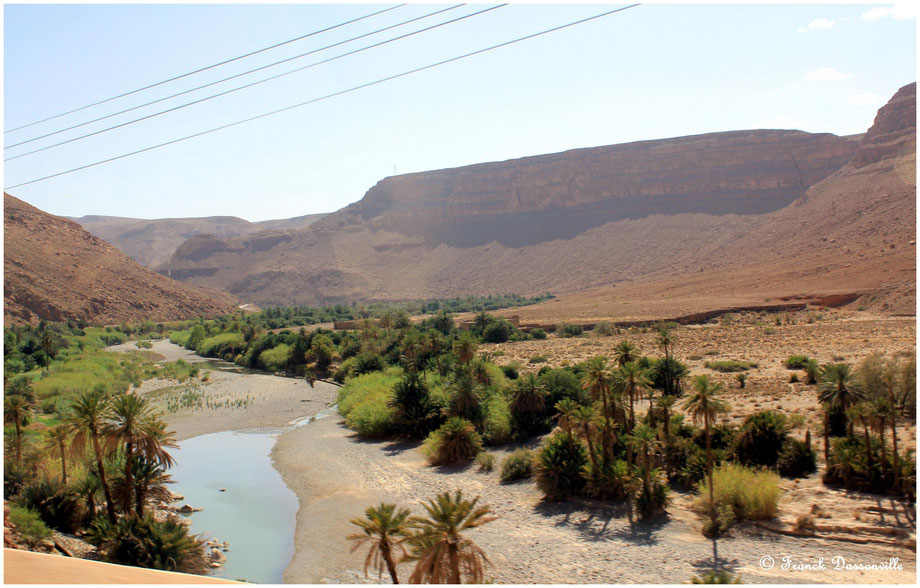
738, 209
537, 199
55, 270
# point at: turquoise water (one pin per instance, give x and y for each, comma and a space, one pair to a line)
255, 515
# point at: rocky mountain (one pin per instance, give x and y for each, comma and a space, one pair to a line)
584, 219
55, 270
152, 242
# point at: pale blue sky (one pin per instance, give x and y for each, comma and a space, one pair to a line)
650, 72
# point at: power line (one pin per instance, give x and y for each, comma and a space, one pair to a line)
237, 76
339, 93
226, 61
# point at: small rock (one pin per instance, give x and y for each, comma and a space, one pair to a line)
223, 489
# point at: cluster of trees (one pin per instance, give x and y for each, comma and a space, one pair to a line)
862, 409
97, 469
435, 542
632, 427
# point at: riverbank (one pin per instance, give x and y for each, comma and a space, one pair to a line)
336, 476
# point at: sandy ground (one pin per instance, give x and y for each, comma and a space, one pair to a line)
26, 567
337, 476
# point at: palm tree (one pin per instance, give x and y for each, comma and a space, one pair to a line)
384, 528
861, 411
465, 347
838, 388
566, 409
56, 443
465, 397
596, 380
584, 417
704, 405
890, 379
16, 409
880, 412
134, 425
666, 341
442, 552
666, 403
482, 320
88, 412
528, 401
150, 480
625, 352
644, 439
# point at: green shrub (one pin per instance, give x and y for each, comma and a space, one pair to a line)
721, 524
274, 359
147, 543
364, 402
797, 459
498, 331
517, 466
752, 494
611, 482
496, 426
728, 366
793, 378
416, 414
485, 461
456, 440
741, 379
29, 525
761, 438
537, 359
716, 577
570, 330
113, 338
796, 362
56, 504
653, 502
510, 372
559, 465
225, 345
143, 344
538, 333
604, 328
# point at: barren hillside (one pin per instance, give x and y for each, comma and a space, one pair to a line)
55, 270
749, 213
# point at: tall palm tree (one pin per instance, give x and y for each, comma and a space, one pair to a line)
16, 409
150, 480
634, 383
584, 417
861, 412
625, 352
56, 443
88, 415
665, 340
384, 527
596, 380
838, 388
644, 439
482, 320
880, 412
890, 380
705, 405
666, 403
465, 396
133, 423
442, 552
566, 409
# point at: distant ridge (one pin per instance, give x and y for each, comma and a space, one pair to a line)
55, 270
152, 242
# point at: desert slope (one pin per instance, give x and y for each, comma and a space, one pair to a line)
152, 242
55, 270
620, 211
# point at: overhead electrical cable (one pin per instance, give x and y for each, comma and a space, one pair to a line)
326, 97
220, 81
197, 71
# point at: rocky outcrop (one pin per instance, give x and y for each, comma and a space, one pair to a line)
55, 270
558, 196
894, 132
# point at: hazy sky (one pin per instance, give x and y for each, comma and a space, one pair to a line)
650, 72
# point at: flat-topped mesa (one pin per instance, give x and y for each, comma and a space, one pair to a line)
535, 199
894, 132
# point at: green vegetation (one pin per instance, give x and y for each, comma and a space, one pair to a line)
517, 466
29, 525
796, 362
751, 494
455, 441
729, 366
